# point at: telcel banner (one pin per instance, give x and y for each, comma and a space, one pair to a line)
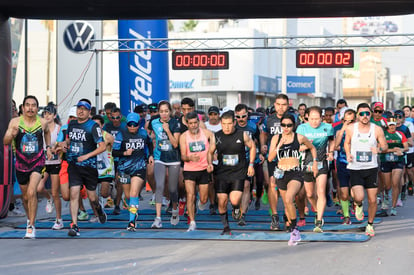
143, 74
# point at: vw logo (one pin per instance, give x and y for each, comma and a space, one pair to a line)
78, 35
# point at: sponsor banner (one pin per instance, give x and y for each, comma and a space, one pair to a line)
300, 84
143, 74
76, 66
264, 84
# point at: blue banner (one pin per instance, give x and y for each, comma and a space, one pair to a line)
265, 84
300, 84
143, 74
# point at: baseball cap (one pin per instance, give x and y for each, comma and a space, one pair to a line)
141, 108
85, 104
214, 109
133, 117
50, 109
153, 107
399, 112
342, 112
391, 121
72, 112
379, 105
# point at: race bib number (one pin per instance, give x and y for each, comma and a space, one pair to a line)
391, 157
124, 178
76, 148
363, 156
230, 160
278, 173
29, 147
197, 146
165, 145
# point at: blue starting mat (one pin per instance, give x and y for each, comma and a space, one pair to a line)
200, 225
195, 235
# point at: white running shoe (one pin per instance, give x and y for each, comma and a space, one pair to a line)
16, 213
58, 225
399, 203
202, 206
30, 232
192, 226
165, 202
157, 223
94, 219
49, 206
175, 218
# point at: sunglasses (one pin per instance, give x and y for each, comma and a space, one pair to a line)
153, 110
378, 111
132, 124
350, 121
116, 117
306, 119
366, 113
398, 116
286, 125
243, 116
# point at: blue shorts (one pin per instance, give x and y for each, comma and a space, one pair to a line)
343, 174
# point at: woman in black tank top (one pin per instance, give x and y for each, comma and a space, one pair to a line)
285, 148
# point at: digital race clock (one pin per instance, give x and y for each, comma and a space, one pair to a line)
324, 58
200, 60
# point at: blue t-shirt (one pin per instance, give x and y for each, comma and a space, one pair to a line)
84, 138
114, 130
341, 157
139, 143
253, 132
319, 138
163, 150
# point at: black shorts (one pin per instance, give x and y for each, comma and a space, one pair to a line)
227, 186
199, 177
83, 175
125, 178
105, 179
343, 174
271, 168
409, 160
308, 176
387, 167
24, 177
367, 178
287, 177
53, 169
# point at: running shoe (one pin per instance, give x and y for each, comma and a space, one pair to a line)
152, 200
369, 230
175, 218
242, 221
359, 212
318, 227
294, 237
181, 207
83, 216
58, 224
165, 202
379, 200
410, 188
306, 211
30, 232
393, 211
49, 206
236, 214
101, 214
381, 213
192, 226
201, 206
257, 205
74, 230
265, 198
94, 219
16, 212
301, 222
117, 210
213, 209
226, 231
131, 226
399, 203
109, 203
157, 223
346, 221
275, 225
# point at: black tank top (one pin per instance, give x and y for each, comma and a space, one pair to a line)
231, 156
289, 150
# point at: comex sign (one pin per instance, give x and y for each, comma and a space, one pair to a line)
78, 35
300, 84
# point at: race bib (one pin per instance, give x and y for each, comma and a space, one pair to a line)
165, 145
278, 173
30, 147
391, 157
76, 148
197, 146
230, 160
310, 165
124, 178
363, 156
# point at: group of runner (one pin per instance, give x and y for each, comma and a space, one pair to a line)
221, 156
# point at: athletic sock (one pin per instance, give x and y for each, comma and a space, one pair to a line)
127, 201
134, 201
345, 208
224, 219
293, 224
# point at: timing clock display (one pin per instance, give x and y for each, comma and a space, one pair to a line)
200, 60
324, 58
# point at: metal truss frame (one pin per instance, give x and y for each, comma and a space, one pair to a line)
252, 43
